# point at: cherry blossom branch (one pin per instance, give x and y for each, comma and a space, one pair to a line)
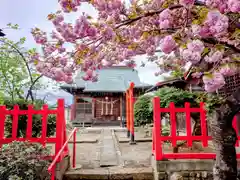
130, 21
215, 41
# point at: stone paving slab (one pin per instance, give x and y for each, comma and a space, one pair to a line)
108, 154
111, 173
86, 137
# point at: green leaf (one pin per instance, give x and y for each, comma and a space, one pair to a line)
220, 47
22, 40
9, 24
236, 34
35, 74
205, 51
196, 21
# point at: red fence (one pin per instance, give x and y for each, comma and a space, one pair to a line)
158, 139
60, 136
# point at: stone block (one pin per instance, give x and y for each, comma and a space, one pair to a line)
101, 173
173, 167
204, 165
184, 165
162, 175
176, 176
204, 174
185, 173
62, 167
131, 173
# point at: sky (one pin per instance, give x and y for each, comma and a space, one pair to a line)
33, 13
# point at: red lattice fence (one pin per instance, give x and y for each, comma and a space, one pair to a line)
59, 140
158, 139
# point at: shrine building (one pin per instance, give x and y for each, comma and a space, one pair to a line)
103, 102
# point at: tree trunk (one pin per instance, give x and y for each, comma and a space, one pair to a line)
224, 139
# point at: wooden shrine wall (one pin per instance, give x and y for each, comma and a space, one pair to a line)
103, 110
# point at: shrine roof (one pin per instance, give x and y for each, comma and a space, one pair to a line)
112, 79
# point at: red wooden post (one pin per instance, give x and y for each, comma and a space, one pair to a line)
203, 125
44, 124
188, 124
59, 125
157, 128
153, 141
2, 123
66, 150
15, 121
127, 114
131, 112
71, 114
53, 173
173, 124
235, 126
29, 121
74, 149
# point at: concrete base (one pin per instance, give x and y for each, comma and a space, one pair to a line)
183, 169
62, 167
116, 173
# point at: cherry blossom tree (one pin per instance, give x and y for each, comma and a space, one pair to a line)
205, 33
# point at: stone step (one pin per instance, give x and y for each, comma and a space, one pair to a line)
108, 153
111, 173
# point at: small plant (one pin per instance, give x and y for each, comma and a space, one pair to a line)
24, 161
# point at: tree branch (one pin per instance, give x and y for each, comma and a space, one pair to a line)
214, 41
31, 87
130, 21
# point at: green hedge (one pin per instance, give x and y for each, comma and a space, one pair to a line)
143, 109
22, 123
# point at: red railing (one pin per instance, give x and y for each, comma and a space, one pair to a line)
158, 139
59, 140
52, 167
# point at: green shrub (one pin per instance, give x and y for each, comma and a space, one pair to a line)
175, 95
178, 96
142, 113
22, 120
24, 161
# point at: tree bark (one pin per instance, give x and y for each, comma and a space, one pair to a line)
224, 138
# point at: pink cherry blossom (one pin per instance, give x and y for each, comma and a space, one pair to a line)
196, 46
213, 82
187, 3
167, 44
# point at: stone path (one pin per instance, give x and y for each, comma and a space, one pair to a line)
108, 154
100, 155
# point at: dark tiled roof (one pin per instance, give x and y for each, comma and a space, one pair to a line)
112, 79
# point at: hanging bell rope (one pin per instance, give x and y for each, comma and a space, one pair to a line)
106, 104
102, 107
111, 107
